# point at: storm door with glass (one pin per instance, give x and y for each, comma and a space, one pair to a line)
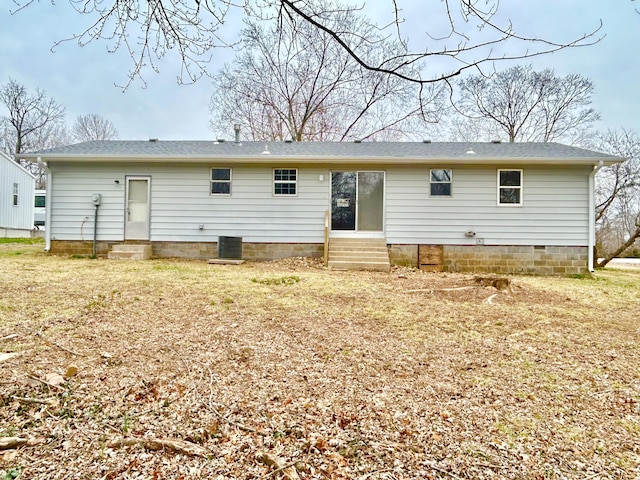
357, 201
137, 208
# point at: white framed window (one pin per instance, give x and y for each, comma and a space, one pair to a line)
285, 181
510, 187
440, 182
220, 181
15, 194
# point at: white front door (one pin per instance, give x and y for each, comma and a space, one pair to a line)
136, 225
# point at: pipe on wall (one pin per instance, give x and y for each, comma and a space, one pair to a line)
95, 229
47, 212
592, 216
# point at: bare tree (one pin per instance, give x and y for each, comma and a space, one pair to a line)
93, 127
618, 195
473, 34
33, 120
293, 82
527, 105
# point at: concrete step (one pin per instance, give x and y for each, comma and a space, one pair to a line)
347, 248
355, 241
339, 259
130, 252
358, 254
363, 265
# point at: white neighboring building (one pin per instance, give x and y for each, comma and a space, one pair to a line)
17, 187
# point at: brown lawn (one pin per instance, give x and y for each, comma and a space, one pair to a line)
286, 370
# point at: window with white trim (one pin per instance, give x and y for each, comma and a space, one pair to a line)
285, 181
220, 181
510, 187
440, 182
15, 194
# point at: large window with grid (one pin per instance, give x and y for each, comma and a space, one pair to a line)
220, 181
510, 187
285, 181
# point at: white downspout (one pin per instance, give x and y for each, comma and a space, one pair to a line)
592, 215
47, 212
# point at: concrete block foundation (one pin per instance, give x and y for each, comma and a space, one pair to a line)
503, 259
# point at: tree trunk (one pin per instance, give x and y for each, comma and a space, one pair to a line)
620, 249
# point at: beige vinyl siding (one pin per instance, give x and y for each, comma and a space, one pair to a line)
180, 202
554, 210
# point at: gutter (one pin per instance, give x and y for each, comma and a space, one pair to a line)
592, 215
270, 158
47, 213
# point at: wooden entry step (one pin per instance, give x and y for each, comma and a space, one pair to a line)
359, 254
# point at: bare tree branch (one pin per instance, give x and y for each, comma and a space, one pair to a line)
148, 29
618, 194
292, 82
93, 127
32, 118
527, 105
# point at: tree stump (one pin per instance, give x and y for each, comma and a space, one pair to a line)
501, 283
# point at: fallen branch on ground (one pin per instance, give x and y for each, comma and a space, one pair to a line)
51, 342
225, 418
8, 443
288, 470
33, 400
441, 470
45, 382
176, 445
490, 299
454, 289
7, 356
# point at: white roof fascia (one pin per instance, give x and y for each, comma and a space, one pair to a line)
315, 159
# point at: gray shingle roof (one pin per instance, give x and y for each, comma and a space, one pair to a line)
394, 152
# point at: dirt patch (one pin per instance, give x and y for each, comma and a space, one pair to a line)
288, 370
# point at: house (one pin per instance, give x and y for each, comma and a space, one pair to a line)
17, 187
498, 207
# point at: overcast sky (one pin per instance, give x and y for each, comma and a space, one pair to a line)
85, 79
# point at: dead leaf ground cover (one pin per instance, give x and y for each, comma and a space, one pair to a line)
288, 370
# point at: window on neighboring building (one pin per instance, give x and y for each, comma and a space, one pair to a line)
15, 194
285, 181
39, 201
509, 187
220, 181
440, 180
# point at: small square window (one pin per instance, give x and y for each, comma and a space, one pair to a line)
220, 181
285, 181
509, 187
440, 182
